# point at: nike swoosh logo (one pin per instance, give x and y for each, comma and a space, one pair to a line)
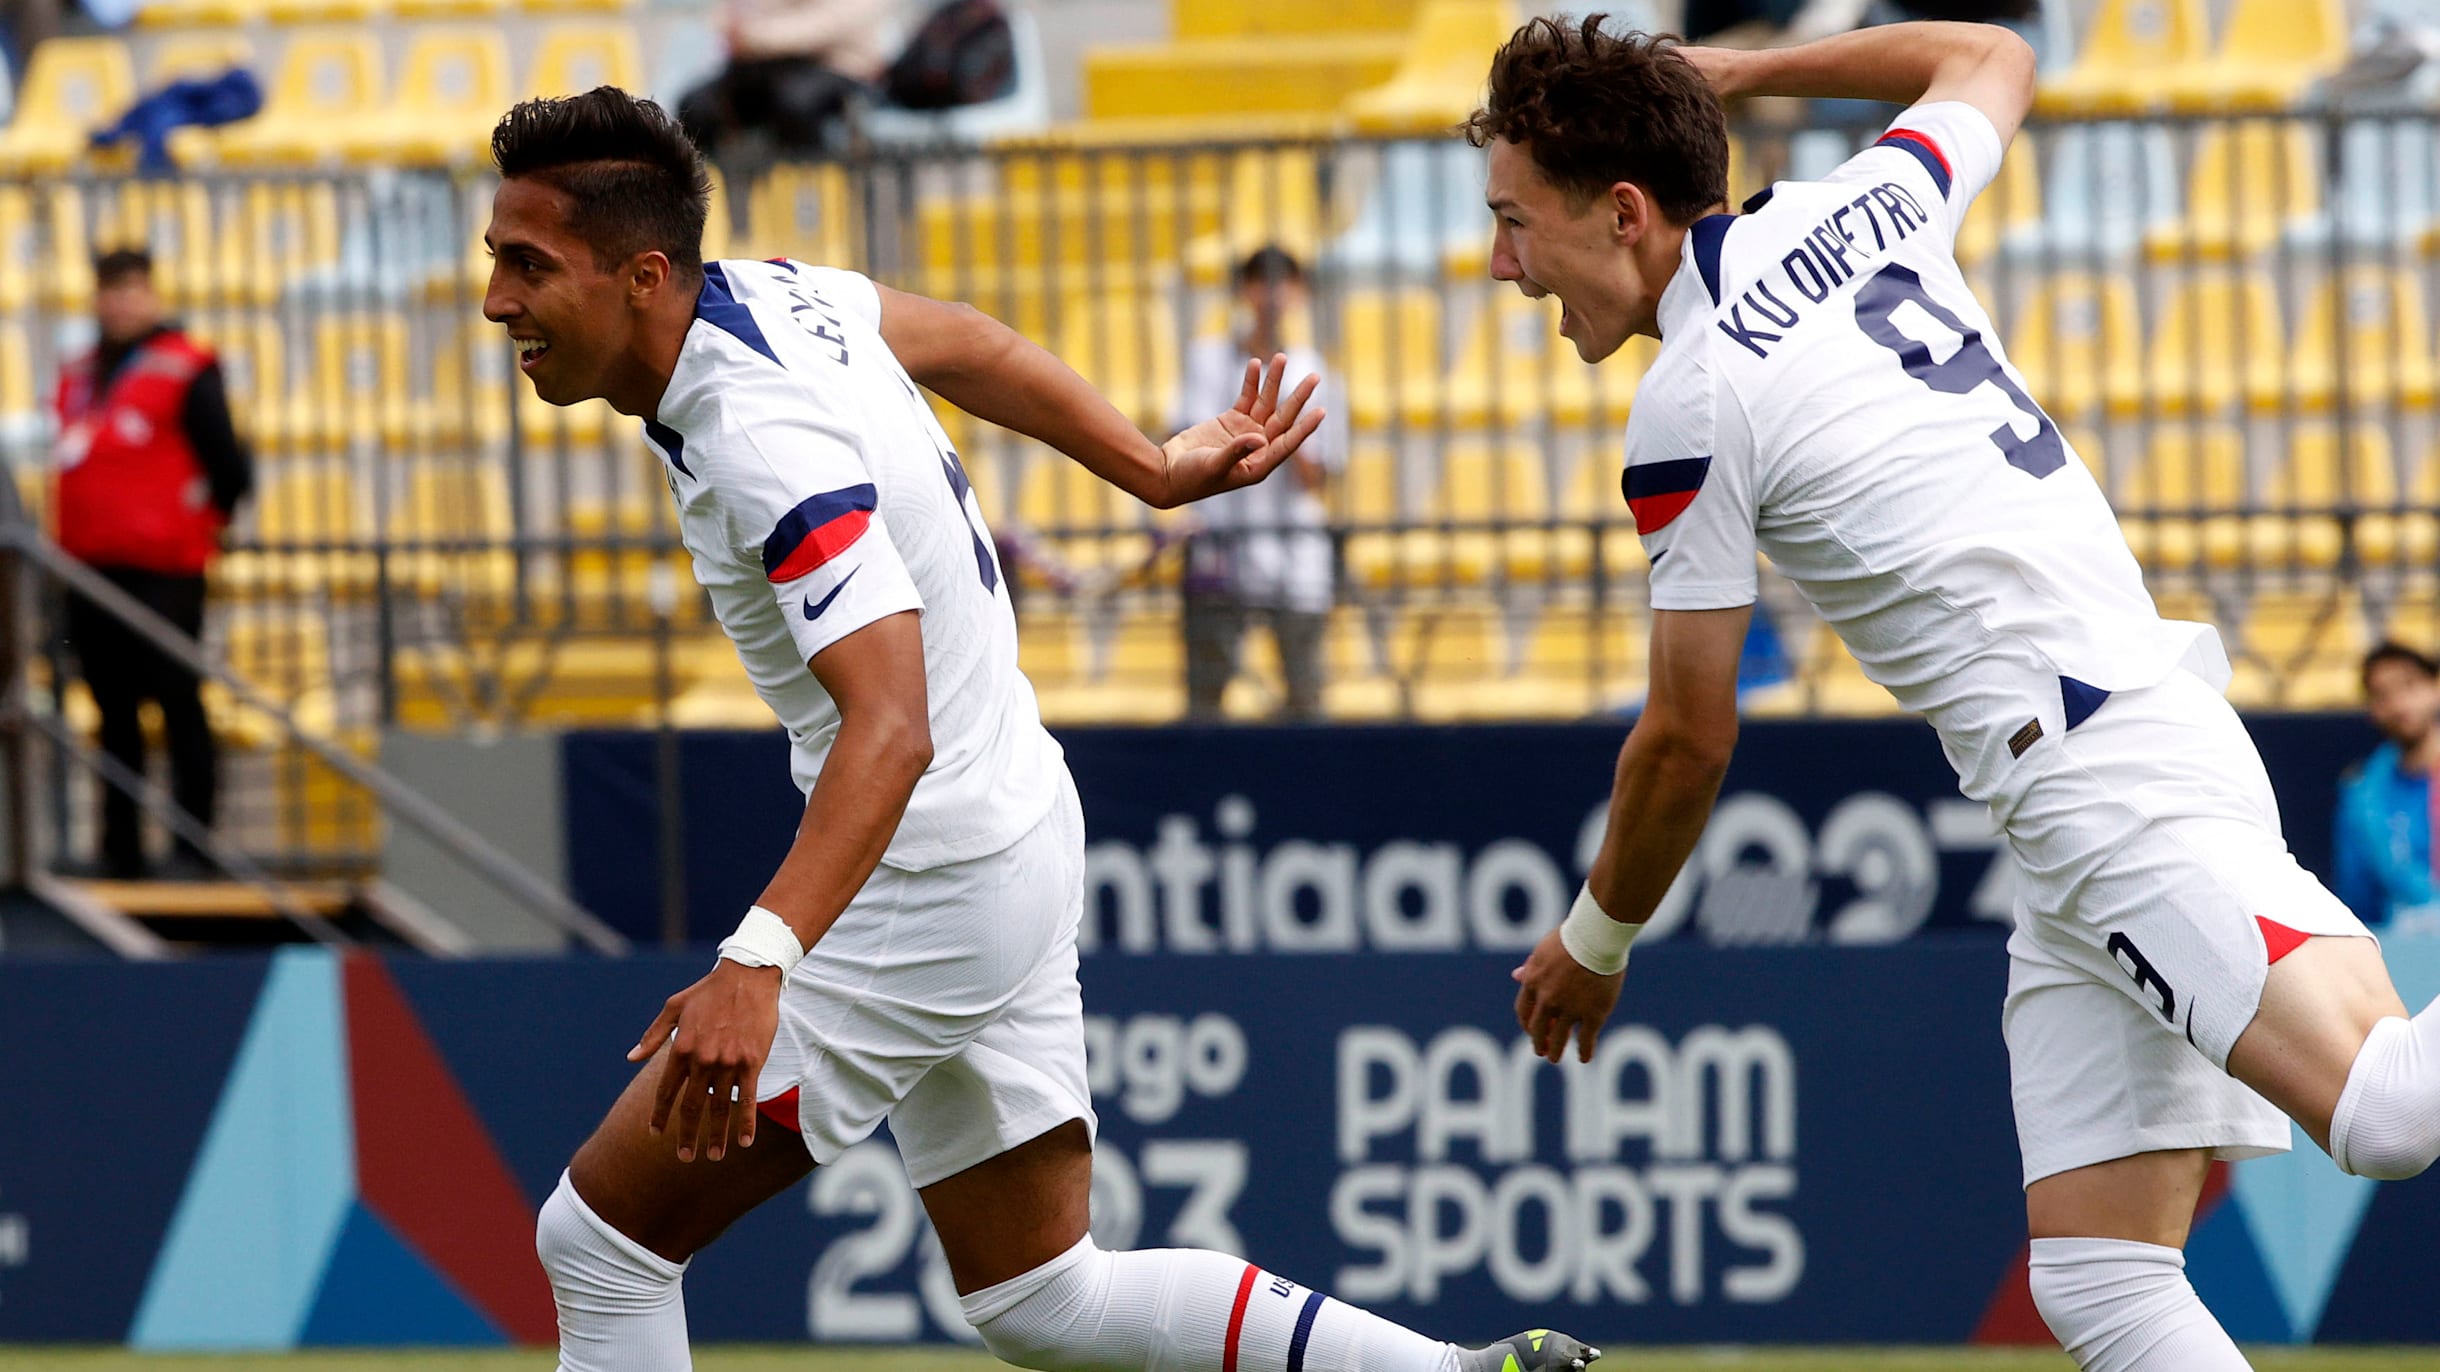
814, 608
1656, 559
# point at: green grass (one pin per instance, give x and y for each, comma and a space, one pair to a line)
808, 1359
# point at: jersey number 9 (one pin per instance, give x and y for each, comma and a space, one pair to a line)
1970, 366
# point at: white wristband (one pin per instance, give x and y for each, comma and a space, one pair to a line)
763, 939
1597, 942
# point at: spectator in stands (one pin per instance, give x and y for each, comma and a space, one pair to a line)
2384, 839
1264, 550
793, 65
150, 470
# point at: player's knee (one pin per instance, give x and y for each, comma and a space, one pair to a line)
2387, 1124
1043, 1319
2120, 1306
581, 1252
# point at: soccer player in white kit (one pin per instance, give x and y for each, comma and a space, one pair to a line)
914, 958
1828, 391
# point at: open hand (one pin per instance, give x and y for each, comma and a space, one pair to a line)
1246, 442
1558, 997
719, 1031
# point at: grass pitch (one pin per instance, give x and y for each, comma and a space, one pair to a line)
803, 1358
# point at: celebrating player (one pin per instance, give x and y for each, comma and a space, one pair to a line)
1829, 391
915, 956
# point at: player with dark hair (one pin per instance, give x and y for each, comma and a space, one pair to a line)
1828, 391
914, 958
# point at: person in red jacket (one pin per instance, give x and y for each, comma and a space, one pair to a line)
150, 470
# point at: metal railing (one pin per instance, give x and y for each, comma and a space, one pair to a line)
2230, 318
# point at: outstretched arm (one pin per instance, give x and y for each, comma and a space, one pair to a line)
1983, 65
994, 373
1668, 776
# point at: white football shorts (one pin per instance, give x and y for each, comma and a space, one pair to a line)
2155, 891
946, 1002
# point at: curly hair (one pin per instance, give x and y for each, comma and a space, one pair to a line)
1596, 108
636, 182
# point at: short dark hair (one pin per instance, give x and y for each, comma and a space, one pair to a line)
1595, 108
2390, 650
1270, 262
637, 182
118, 264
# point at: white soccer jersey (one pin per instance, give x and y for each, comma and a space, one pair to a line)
1828, 391
817, 494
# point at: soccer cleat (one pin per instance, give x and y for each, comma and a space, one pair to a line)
1535, 1350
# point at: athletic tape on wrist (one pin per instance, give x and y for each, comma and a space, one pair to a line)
763, 939
1597, 942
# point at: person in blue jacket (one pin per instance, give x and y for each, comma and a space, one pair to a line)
2385, 803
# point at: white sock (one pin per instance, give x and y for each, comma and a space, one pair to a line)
2387, 1124
2121, 1306
620, 1309
1185, 1310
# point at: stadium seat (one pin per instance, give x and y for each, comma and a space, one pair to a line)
547, 428
63, 278
1584, 659
20, 248
449, 97
172, 219
72, 87
299, 508
328, 82
194, 56
2106, 186
1232, 76
2185, 506
468, 402
181, 16
2385, 193
575, 57
2218, 344
2271, 51
2326, 500
453, 502
1440, 75
576, 7
1480, 484
1127, 344
297, 12
805, 212
287, 232
2250, 183
1420, 212
2370, 328
1514, 369
355, 387
2077, 343
450, 9
1271, 197
2298, 650
2127, 46
2009, 210
1370, 492
1391, 356
22, 418
1085, 521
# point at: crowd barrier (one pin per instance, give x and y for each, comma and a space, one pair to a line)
1773, 1144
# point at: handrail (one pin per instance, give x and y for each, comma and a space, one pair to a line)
408, 804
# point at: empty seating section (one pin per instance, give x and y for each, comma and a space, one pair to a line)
2220, 292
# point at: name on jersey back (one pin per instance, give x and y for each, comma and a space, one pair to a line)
1831, 254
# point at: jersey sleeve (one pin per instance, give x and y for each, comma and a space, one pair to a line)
1690, 488
1945, 146
801, 506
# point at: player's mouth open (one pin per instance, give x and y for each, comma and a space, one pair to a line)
529, 352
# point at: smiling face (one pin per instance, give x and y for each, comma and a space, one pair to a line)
575, 321
1583, 250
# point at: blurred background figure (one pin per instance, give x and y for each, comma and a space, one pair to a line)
2384, 841
793, 66
1263, 551
150, 471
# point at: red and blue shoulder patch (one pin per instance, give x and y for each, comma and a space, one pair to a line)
1658, 492
817, 530
1921, 147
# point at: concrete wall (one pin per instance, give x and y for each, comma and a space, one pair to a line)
508, 790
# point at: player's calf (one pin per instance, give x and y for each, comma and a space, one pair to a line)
2120, 1306
1184, 1310
620, 1309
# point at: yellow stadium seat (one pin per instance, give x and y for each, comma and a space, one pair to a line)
1272, 196
1440, 75
1236, 77
454, 503
306, 502
172, 219
20, 248
294, 12
2248, 183
806, 212
1391, 356
21, 408
2011, 206
1515, 369
1367, 491
2272, 51
72, 87
545, 427
2378, 318
287, 230
2218, 344
180, 16
1480, 484
2298, 650
450, 95
355, 387
2317, 497
193, 56
64, 275
1126, 343
576, 7
576, 57
2126, 47
2078, 344
1076, 516
328, 83
450, 9
469, 398
1594, 652
2186, 505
